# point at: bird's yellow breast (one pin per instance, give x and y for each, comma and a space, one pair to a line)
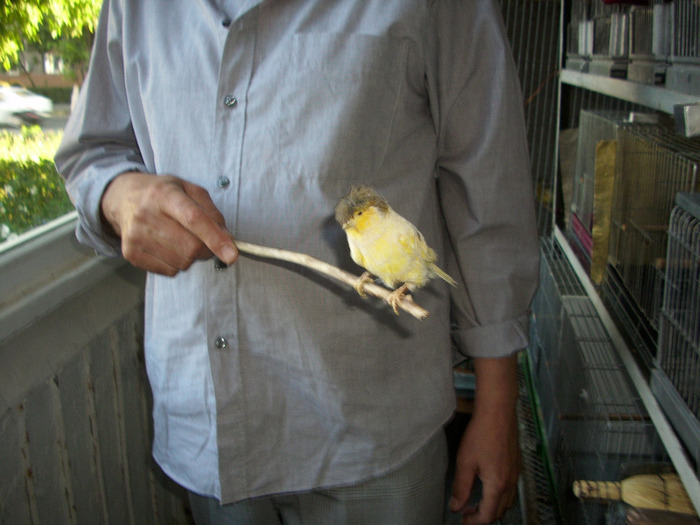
388, 246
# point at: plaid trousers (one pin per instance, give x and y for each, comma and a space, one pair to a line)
413, 494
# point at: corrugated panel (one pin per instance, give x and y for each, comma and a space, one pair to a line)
76, 448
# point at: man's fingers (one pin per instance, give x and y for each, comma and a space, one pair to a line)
492, 506
165, 223
203, 223
485, 512
148, 262
460, 493
154, 258
202, 197
177, 244
166, 248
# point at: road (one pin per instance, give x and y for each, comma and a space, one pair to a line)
54, 122
58, 119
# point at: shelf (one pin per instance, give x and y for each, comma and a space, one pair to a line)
664, 429
655, 97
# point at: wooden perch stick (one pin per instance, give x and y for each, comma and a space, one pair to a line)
407, 304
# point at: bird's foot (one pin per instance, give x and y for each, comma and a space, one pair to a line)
397, 296
360, 283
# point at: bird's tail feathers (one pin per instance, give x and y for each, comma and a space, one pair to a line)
442, 275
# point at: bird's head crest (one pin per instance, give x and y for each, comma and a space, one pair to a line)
359, 199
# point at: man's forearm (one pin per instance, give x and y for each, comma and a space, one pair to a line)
496, 383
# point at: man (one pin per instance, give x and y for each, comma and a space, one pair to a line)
280, 396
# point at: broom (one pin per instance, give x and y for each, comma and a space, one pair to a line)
645, 491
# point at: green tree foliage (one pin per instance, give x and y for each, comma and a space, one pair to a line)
31, 190
22, 22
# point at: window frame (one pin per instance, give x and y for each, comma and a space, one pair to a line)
43, 268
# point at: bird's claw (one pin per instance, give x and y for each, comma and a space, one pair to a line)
360, 283
397, 296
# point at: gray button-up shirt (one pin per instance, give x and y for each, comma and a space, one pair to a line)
267, 377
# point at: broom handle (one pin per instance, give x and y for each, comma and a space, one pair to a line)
607, 490
407, 304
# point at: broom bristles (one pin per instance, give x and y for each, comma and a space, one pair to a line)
645, 491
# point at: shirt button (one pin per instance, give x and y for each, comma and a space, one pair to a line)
230, 101
223, 181
220, 343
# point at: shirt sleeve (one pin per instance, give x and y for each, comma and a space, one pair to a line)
483, 177
98, 142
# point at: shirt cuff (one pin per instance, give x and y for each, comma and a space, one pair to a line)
89, 230
496, 340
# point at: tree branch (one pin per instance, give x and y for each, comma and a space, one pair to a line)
407, 304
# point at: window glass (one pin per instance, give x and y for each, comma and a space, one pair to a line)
31, 191
44, 52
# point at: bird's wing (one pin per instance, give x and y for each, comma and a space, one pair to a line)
413, 243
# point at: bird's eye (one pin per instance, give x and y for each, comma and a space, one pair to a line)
359, 213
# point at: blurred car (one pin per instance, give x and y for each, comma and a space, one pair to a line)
20, 106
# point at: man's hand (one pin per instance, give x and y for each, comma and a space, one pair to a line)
165, 223
489, 448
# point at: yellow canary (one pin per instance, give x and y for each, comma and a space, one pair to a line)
387, 245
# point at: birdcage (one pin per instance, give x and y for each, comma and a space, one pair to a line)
592, 186
610, 33
686, 45
603, 424
558, 285
579, 13
579, 39
594, 127
593, 419
676, 378
649, 42
653, 164
641, 31
684, 73
579, 43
